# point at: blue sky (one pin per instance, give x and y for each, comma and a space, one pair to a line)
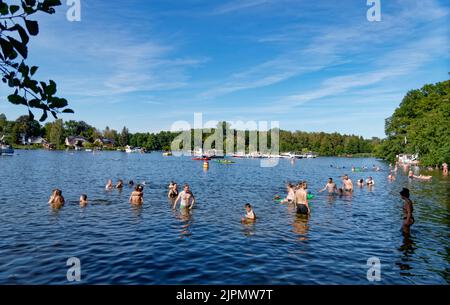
311, 65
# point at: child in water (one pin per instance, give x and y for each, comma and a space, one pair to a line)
250, 215
83, 200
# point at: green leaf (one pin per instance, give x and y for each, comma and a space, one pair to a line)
44, 116
32, 27
19, 46
33, 70
51, 88
7, 48
35, 103
22, 33
4, 8
13, 9
17, 99
68, 111
30, 115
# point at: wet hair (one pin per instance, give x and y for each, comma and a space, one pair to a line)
186, 185
137, 188
361, 180
330, 179
140, 188
405, 192
84, 197
248, 205
58, 192
131, 182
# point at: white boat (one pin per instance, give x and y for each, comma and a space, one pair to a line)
6, 150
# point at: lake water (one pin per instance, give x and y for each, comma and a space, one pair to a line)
120, 244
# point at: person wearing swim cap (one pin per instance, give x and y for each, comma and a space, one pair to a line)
408, 209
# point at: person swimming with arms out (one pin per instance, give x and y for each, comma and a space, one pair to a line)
173, 191
109, 185
250, 215
186, 198
137, 196
56, 200
408, 209
330, 187
301, 199
83, 200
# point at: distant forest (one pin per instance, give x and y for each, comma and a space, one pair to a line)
421, 124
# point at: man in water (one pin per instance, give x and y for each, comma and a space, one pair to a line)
330, 187
408, 218
347, 184
119, 185
109, 185
301, 199
186, 198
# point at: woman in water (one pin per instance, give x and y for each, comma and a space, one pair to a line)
137, 196
56, 200
290, 195
173, 191
408, 218
360, 183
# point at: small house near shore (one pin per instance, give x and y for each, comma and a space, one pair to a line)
75, 141
104, 142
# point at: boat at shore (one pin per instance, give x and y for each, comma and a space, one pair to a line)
6, 150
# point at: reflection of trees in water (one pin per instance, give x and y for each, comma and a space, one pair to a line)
408, 249
248, 228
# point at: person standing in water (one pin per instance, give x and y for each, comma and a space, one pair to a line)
347, 184
119, 185
137, 196
408, 209
173, 191
250, 215
186, 198
301, 200
290, 195
330, 187
445, 169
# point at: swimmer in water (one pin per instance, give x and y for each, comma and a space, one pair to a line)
360, 183
173, 191
408, 209
330, 187
420, 177
291, 194
56, 200
83, 200
445, 169
186, 198
130, 183
391, 177
137, 196
109, 185
370, 181
347, 184
301, 199
250, 214
119, 185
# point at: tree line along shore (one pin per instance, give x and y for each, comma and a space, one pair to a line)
420, 125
